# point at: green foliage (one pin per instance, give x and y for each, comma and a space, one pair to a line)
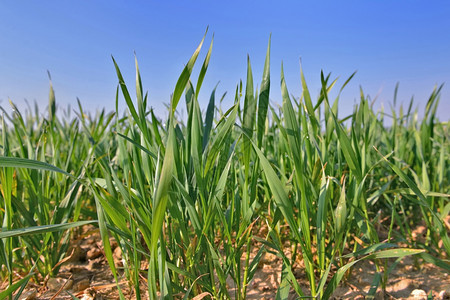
191, 197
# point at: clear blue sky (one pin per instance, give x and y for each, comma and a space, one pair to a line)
385, 41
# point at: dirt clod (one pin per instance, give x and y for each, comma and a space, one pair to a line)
29, 295
93, 253
444, 295
81, 285
55, 284
418, 295
88, 294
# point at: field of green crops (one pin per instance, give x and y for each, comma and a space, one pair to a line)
187, 199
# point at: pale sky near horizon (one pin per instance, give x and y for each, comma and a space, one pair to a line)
384, 41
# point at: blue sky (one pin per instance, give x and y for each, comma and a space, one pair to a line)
384, 41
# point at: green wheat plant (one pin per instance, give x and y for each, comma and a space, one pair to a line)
41, 201
192, 193
195, 203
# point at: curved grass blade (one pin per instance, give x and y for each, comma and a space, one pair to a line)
390, 253
43, 229
278, 191
17, 162
201, 76
138, 145
6, 293
105, 240
184, 77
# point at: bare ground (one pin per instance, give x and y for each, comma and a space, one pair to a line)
86, 275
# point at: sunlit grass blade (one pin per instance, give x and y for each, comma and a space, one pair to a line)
201, 76
278, 191
209, 118
42, 229
184, 77
263, 100
248, 117
105, 240
347, 149
17, 162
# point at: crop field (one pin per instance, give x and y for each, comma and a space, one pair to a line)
197, 207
